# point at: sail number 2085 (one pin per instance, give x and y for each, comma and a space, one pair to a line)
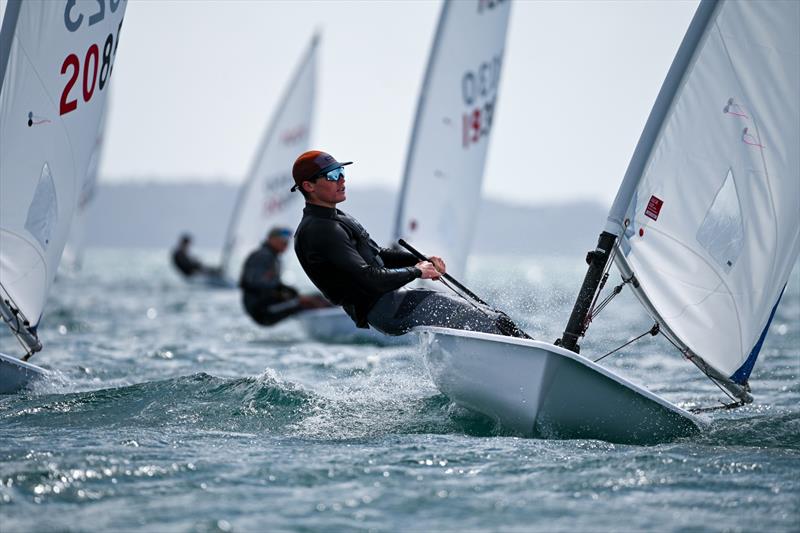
93, 64
97, 66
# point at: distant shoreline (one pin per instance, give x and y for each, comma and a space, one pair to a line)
151, 214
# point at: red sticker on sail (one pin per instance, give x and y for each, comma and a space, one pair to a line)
654, 207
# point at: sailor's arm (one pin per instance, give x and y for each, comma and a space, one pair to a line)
394, 258
335, 246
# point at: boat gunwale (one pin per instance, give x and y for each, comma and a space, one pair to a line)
19, 362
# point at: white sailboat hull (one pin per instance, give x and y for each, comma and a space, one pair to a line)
16, 374
333, 325
536, 389
212, 281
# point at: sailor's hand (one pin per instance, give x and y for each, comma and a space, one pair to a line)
438, 262
428, 270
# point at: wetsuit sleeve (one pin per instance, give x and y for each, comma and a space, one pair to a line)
259, 273
395, 258
336, 247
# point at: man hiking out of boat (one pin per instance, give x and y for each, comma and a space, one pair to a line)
187, 265
368, 281
265, 297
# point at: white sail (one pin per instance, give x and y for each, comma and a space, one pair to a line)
444, 168
264, 199
56, 62
72, 257
710, 206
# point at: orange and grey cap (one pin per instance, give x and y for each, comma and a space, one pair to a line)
312, 164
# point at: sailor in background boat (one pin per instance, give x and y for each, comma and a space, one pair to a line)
265, 297
368, 281
185, 263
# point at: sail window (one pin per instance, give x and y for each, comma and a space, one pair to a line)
43, 211
722, 231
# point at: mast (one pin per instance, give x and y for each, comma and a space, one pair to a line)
675, 75
598, 258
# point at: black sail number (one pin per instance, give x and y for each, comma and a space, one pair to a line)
105, 68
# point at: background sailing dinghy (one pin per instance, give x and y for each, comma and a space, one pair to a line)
705, 229
264, 199
56, 60
441, 187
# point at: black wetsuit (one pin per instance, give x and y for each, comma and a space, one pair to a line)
351, 270
186, 264
264, 297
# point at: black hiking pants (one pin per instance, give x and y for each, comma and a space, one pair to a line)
396, 312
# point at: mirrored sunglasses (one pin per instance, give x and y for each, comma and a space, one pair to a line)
334, 175
331, 175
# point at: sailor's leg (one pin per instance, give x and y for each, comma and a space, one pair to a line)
383, 315
272, 314
399, 311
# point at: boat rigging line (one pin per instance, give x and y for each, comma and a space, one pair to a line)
606, 269
595, 310
655, 330
652, 331
504, 322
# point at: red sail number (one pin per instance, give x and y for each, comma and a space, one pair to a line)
71, 61
88, 91
91, 66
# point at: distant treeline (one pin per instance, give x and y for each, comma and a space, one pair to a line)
151, 215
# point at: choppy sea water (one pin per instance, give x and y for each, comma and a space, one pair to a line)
170, 411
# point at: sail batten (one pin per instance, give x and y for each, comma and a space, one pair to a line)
708, 215
264, 199
441, 186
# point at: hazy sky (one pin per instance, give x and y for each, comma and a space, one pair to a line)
195, 84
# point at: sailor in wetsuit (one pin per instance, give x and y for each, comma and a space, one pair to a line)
368, 281
185, 263
264, 296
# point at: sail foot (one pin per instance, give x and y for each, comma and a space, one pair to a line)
740, 392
